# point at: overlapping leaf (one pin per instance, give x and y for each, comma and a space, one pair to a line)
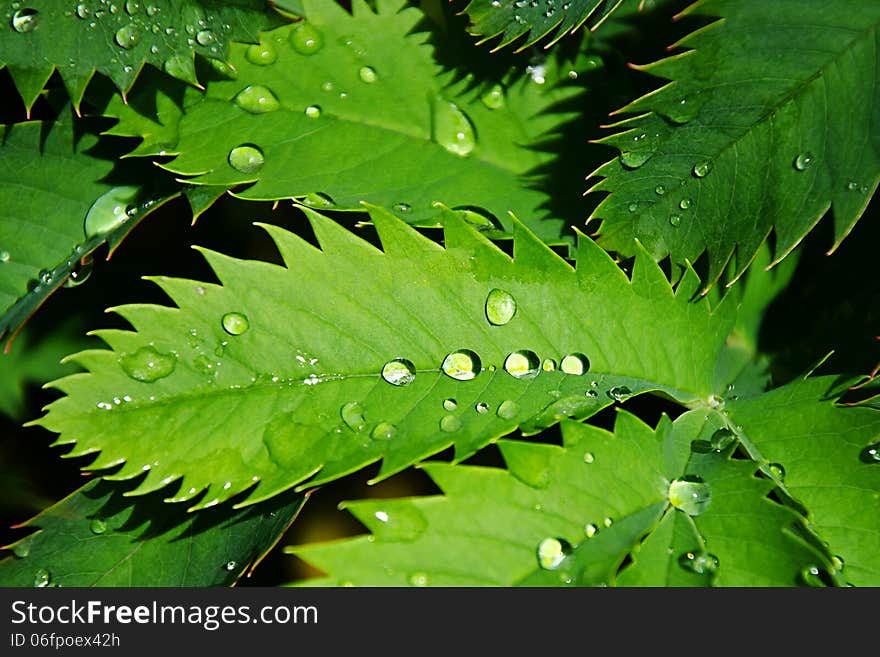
117, 39
99, 537
510, 19
770, 120
571, 515
347, 108
276, 374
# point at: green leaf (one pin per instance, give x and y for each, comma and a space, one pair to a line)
98, 536
828, 466
365, 113
769, 120
277, 373
63, 196
77, 39
511, 19
571, 515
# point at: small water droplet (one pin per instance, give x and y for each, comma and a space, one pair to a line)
620, 393
523, 364
147, 364
261, 54
418, 579
703, 169
98, 526
852, 185
812, 576
576, 364
229, 565
500, 307
257, 99
777, 471
675, 220
608, 522
482, 408
549, 365
41, 578
451, 128
383, 431
25, 20
306, 39
403, 208
5, 256
870, 454
313, 111
152, 10
803, 161
684, 203
450, 404
353, 415
367, 74
660, 190
552, 552
635, 159
246, 158
450, 423
589, 457
462, 365
493, 98
83, 11
132, 7
722, 439
690, 494
701, 564
235, 323
590, 530
205, 37
318, 200
633, 207
127, 36
507, 410
399, 372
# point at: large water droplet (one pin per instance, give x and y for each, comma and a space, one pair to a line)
98, 526
147, 364
690, 494
507, 410
803, 161
127, 36
367, 74
83, 11
399, 372
620, 393
462, 365
552, 552
576, 364
109, 211
306, 39
353, 415
80, 272
261, 54
5, 256
703, 169
246, 158
451, 128
500, 307
41, 578
313, 111
205, 37
493, 98
25, 20
635, 159
450, 423
383, 431
132, 7
235, 323
257, 99
523, 364
701, 564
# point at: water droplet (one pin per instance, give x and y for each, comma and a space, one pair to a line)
690, 494
837, 563
80, 272
5, 256
870, 454
418, 579
353, 415
450, 404
399, 372
235, 323
261, 54
493, 98
205, 37
507, 410
722, 439
462, 365
41, 578
98, 526
318, 200
109, 211
500, 307
675, 220
701, 564
684, 203
367, 74
777, 471
403, 208
83, 11
852, 185
576, 364
482, 408
450, 423
306, 39
451, 128
132, 7
633, 207
702, 169
660, 190
383, 431
620, 393
25, 20
549, 365
684, 109
608, 522
635, 159
257, 99
523, 364
552, 552
23, 547
152, 10
246, 158
803, 161
589, 457
313, 111
812, 576
147, 364
127, 36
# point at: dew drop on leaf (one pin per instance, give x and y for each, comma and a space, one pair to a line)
620, 393
41, 578
98, 526
306, 39
589, 457
507, 410
367, 74
353, 415
403, 208
461, 365
576, 364
246, 158
450, 423
777, 471
500, 307
83, 11
702, 169
205, 37
701, 564
132, 7
690, 494
450, 404
451, 128
684, 203
493, 98
812, 576
399, 372
635, 159
5, 256
383, 431
313, 111
590, 530
870, 454
147, 364
418, 579
675, 220
229, 565
235, 323
523, 364
109, 211
25, 20
552, 552
257, 99
80, 272
482, 408
803, 161
261, 54
127, 36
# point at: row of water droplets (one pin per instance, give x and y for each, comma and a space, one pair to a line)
546, 8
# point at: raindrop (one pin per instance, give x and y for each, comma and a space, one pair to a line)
399, 372
451, 128
147, 364
675, 220
812, 576
552, 552
229, 565
246, 158
152, 10
683, 110
98, 526
852, 185
205, 37
702, 169
109, 211
41, 578
690, 494
257, 99
620, 393
482, 408
633, 207
403, 208
493, 98
5, 256
608, 522
418, 579
462, 365
722, 439
660, 190
127, 36
523, 364
500, 307
261, 54
306, 39
383, 431
81, 271
450, 404
635, 159
353, 415
549, 365
507, 410
590, 530
313, 111
776, 471
318, 200
83, 11
576, 364
684, 203
367, 74
870, 454
25, 20
235, 323
803, 161
701, 564
132, 7
589, 457
450, 423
